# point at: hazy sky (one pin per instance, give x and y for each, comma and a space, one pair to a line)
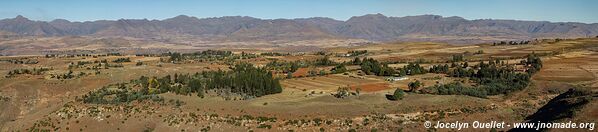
85, 10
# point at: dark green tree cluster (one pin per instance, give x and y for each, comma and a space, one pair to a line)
458, 58
457, 89
510, 43
22, 61
79, 64
292, 66
148, 55
120, 94
340, 68
286, 67
373, 67
439, 69
357, 52
274, 54
174, 56
121, 60
214, 53
324, 61
34, 71
244, 79
356, 61
412, 69
461, 72
208, 55
321, 53
398, 94
68, 75
479, 52
114, 54
105, 65
533, 63
413, 86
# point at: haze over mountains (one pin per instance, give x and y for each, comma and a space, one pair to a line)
373, 27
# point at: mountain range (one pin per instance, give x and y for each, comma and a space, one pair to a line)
372, 27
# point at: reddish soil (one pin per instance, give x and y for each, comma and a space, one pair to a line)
301, 72
371, 87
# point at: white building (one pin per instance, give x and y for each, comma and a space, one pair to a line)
396, 78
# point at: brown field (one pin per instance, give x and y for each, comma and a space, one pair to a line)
331, 83
577, 67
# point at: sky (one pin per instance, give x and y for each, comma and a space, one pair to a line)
585, 11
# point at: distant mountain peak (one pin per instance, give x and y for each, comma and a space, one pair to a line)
21, 18
377, 15
368, 17
60, 21
182, 18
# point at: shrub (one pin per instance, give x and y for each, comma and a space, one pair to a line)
397, 95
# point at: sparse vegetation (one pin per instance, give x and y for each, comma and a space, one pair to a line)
121, 60
34, 71
492, 79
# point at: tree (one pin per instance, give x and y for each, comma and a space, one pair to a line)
340, 68
195, 86
322, 72
289, 75
342, 92
413, 86
358, 90
457, 58
398, 94
413, 69
480, 52
120, 60
294, 66
371, 66
324, 62
357, 61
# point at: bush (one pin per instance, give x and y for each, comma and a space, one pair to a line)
397, 95
342, 92
414, 85
120, 60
